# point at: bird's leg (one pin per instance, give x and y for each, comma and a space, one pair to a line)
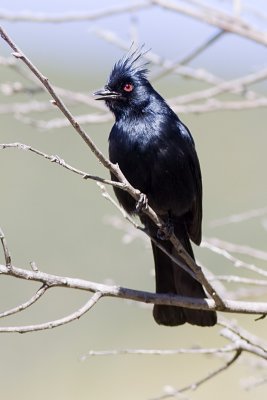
142, 203
165, 232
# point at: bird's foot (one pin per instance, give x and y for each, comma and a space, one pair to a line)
166, 231
142, 203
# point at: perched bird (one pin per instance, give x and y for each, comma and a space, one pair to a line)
156, 153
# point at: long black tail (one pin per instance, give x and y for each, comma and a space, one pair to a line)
170, 278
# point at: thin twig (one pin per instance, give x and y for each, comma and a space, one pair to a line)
24, 108
162, 352
53, 324
5, 249
237, 86
236, 218
27, 16
63, 122
218, 105
189, 57
238, 248
241, 333
40, 292
238, 279
237, 263
182, 70
59, 161
195, 385
217, 18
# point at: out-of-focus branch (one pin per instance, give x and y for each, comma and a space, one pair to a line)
244, 216
24, 108
236, 86
189, 57
217, 105
195, 385
155, 59
238, 279
179, 104
5, 249
200, 11
239, 341
217, 18
159, 352
237, 248
236, 262
28, 16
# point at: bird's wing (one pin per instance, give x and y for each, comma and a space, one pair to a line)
194, 217
195, 214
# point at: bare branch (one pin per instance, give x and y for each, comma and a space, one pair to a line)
237, 248
50, 280
5, 249
242, 333
195, 385
218, 105
240, 341
63, 122
238, 279
40, 292
237, 263
162, 352
59, 161
217, 18
236, 86
255, 213
72, 17
190, 57
23, 108
182, 70
53, 324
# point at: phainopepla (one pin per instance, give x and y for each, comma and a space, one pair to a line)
156, 153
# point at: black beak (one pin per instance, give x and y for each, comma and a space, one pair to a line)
106, 93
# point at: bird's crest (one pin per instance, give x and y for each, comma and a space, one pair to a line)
129, 66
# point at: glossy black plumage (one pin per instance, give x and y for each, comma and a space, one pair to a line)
156, 153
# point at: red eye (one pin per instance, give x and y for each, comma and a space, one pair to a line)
128, 87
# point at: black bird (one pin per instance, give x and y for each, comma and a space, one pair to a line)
156, 153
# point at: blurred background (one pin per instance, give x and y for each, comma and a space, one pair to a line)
61, 222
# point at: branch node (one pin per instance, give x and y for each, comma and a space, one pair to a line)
17, 54
56, 159
34, 266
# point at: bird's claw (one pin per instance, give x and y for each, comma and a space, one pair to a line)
166, 231
142, 203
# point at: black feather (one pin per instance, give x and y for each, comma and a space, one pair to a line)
157, 154
129, 66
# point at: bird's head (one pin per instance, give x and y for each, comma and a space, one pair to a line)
127, 89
